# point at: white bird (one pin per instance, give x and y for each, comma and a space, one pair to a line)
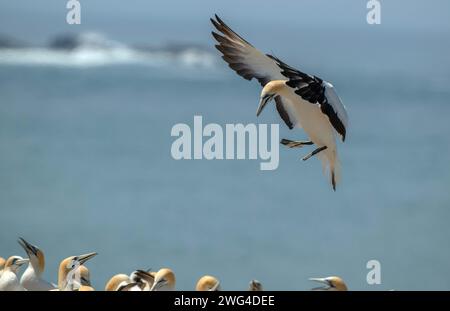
31, 279
69, 274
208, 283
302, 100
164, 280
332, 283
9, 280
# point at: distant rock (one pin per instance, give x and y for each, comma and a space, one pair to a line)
7, 42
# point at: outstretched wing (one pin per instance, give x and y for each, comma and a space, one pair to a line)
317, 91
250, 63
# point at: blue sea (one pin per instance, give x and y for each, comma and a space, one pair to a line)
85, 165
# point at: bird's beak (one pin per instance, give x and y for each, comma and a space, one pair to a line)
29, 248
83, 258
21, 261
323, 281
263, 102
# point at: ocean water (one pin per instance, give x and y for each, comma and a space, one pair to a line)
85, 165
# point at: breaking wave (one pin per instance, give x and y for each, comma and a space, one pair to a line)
91, 49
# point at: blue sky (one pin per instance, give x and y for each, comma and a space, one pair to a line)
156, 21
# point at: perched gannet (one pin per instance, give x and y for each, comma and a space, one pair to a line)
122, 283
31, 279
85, 280
332, 283
144, 279
208, 283
164, 280
2, 265
301, 99
255, 286
9, 280
68, 275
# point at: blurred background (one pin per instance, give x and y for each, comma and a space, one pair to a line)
86, 113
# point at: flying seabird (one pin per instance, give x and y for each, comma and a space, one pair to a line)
208, 283
31, 279
164, 280
332, 283
9, 280
302, 100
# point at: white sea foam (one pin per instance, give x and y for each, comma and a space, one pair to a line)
95, 50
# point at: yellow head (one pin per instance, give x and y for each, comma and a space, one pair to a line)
208, 283
269, 92
115, 281
36, 256
70, 265
2, 263
164, 280
14, 263
332, 283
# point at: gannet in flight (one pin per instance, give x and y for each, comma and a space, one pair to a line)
208, 283
9, 280
85, 280
67, 274
332, 283
255, 286
302, 100
164, 280
31, 279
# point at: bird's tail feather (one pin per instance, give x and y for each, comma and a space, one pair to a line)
331, 162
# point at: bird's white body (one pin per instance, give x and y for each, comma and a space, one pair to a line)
302, 100
32, 281
316, 125
9, 281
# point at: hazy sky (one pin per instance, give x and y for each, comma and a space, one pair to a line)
156, 21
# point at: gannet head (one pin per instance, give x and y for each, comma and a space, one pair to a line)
2, 263
69, 265
269, 92
114, 283
332, 283
255, 286
14, 263
164, 280
85, 279
208, 283
36, 256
